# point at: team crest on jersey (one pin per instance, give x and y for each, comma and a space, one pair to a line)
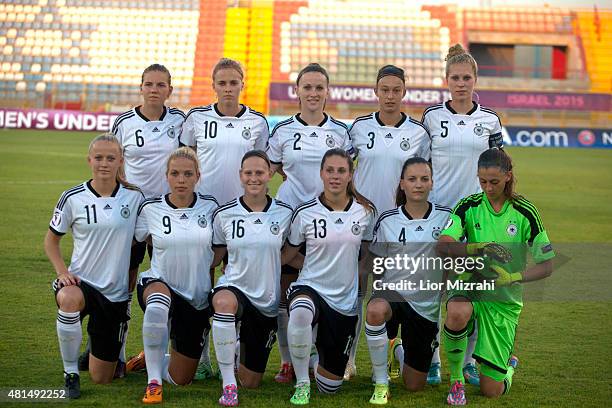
435, 233
125, 211
478, 129
246, 133
329, 141
405, 145
274, 228
170, 132
202, 221
356, 228
57, 218
512, 229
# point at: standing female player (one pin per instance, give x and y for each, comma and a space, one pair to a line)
503, 226
101, 213
335, 226
461, 130
298, 145
410, 229
251, 230
147, 133
174, 292
383, 141
222, 133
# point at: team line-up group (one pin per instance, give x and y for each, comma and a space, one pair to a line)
295, 267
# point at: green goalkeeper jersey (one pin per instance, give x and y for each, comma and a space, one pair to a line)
517, 226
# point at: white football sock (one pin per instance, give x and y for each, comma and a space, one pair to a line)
224, 338
299, 334
378, 345
70, 336
155, 334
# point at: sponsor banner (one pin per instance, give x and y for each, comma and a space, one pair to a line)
282, 91
557, 137
54, 119
50, 119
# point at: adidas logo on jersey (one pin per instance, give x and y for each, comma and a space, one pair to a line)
339, 221
184, 217
257, 221
155, 129
313, 134
461, 123
108, 207
388, 136
229, 126
419, 228
477, 226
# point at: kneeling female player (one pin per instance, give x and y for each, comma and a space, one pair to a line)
502, 226
174, 292
251, 229
101, 213
334, 226
410, 229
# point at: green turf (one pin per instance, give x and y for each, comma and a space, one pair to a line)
563, 343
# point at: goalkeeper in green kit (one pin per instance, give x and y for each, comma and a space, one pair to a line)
502, 227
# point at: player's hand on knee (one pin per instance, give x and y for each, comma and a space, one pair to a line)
67, 279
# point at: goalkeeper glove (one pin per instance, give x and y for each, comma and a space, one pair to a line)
492, 250
504, 278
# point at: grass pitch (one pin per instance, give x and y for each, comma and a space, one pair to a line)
563, 339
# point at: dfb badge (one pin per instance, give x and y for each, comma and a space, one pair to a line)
274, 228
171, 132
246, 133
125, 211
202, 221
356, 228
478, 129
329, 141
405, 145
512, 229
436, 233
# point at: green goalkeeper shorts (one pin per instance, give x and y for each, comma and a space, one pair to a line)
495, 341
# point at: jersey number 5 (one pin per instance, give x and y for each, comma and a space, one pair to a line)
444, 126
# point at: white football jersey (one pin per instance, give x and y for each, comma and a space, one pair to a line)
300, 148
254, 241
182, 245
221, 142
102, 229
398, 233
146, 147
457, 142
333, 240
382, 151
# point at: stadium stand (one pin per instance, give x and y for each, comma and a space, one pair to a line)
89, 54
595, 30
